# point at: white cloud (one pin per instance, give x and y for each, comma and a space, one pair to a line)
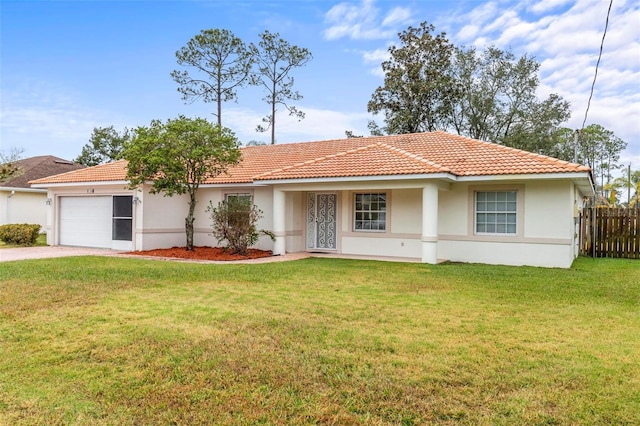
376, 56
42, 118
547, 5
318, 124
565, 36
362, 22
398, 15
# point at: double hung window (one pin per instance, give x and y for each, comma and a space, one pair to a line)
496, 212
370, 211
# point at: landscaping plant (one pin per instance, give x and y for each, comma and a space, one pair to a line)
234, 221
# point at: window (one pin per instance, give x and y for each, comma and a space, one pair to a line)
122, 218
370, 212
239, 207
496, 212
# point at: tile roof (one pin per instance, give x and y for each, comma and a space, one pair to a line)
411, 154
114, 171
37, 168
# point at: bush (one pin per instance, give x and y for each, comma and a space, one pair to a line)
23, 234
234, 221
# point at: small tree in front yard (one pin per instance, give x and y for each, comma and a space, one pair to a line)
178, 156
234, 221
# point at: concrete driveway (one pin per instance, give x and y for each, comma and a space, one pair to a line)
22, 253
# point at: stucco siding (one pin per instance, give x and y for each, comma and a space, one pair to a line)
453, 210
23, 207
548, 210
405, 211
389, 246
498, 253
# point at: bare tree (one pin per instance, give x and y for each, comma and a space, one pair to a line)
275, 59
222, 63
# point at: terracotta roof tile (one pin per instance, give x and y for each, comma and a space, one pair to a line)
412, 154
115, 171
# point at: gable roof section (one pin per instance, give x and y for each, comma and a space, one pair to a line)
39, 167
377, 159
411, 154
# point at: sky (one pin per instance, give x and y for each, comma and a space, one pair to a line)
67, 67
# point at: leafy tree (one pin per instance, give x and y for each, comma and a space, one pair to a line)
178, 156
600, 149
419, 87
374, 129
222, 63
105, 144
254, 142
350, 135
631, 184
499, 103
275, 59
8, 164
564, 145
234, 221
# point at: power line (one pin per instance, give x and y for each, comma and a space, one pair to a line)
606, 25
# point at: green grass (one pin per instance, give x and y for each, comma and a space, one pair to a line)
41, 241
102, 340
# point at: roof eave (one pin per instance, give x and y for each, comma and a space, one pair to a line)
21, 189
77, 184
376, 178
582, 179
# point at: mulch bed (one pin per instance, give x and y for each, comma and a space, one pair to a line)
203, 253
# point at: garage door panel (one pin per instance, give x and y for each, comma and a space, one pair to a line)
85, 221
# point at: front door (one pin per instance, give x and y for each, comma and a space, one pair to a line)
321, 221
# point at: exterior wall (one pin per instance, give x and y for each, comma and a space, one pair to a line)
404, 226
294, 220
546, 231
52, 210
545, 226
23, 207
162, 225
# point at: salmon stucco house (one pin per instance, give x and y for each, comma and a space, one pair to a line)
426, 196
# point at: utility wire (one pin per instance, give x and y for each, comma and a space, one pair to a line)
606, 25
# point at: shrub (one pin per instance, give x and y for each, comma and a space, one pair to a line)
234, 221
23, 234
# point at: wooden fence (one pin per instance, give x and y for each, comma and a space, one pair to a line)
610, 232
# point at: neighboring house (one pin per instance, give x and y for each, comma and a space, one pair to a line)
19, 202
428, 197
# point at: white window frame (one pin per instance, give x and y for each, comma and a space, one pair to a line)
370, 212
499, 209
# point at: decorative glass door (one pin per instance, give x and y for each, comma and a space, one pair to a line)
321, 221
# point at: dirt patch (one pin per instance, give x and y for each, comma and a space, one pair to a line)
203, 253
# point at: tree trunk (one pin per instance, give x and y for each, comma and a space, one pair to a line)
273, 111
188, 226
188, 221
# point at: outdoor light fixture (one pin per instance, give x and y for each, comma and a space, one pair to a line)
48, 201
136, 200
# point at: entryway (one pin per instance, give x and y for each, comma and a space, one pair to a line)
322, 226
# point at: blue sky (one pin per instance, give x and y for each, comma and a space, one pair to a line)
69, 66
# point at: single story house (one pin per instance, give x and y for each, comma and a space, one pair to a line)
19, 202
426, 196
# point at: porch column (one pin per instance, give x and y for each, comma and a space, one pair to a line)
279, 229
430, 223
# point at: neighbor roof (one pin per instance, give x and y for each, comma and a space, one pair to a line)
37, 168
410, 154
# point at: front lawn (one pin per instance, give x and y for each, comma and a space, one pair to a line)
104, 340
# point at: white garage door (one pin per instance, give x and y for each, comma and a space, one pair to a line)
86, 221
